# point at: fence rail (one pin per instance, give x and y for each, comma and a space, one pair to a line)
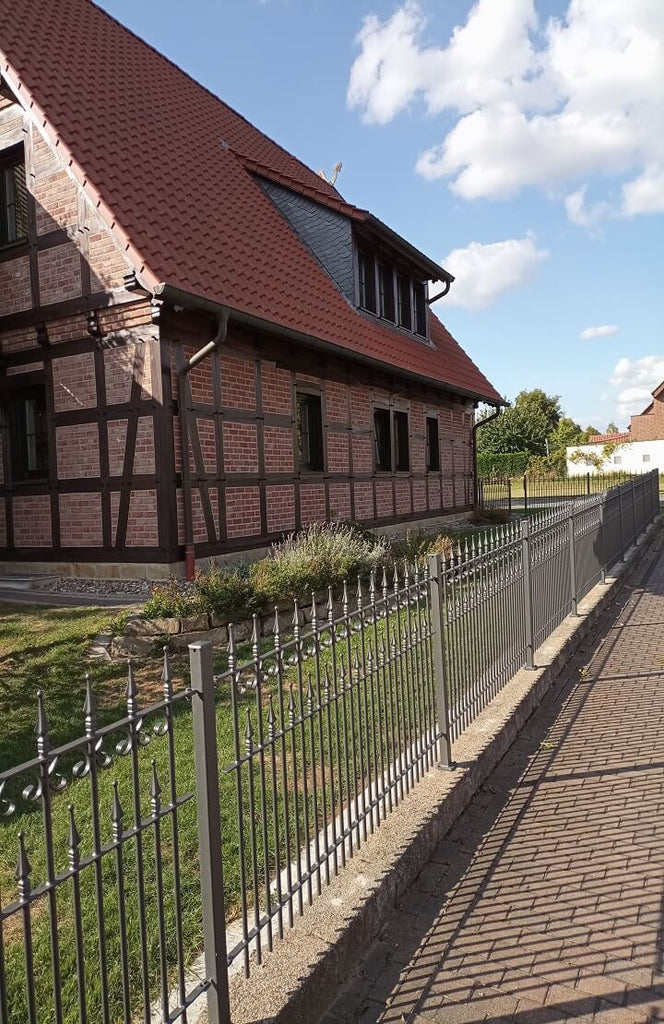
520, 493
284, 763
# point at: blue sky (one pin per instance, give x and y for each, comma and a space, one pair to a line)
542, 181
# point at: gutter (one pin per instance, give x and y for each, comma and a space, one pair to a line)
476, 426
183, 374
179, 297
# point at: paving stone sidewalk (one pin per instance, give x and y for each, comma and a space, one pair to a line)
546, 901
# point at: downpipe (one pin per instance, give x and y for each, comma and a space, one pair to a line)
476, 485
183, 374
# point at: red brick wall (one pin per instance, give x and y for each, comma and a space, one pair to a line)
80, 520
240, 447
32, 521
649, 425
77, 450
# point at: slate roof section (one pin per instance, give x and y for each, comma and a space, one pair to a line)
158, 154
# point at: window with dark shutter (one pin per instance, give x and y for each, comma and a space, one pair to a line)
310, 432
401, 451
433, 445
386, 293
25, 419
367, 282
403, 302
383, 439
13, 198
419, 295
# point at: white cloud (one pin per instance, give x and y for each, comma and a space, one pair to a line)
635, 380
604, 331
484, 272
536, 104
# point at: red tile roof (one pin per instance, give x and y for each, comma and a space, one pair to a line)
166, 162
607, 438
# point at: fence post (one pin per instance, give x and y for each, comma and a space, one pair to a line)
622, 525
572, 562
588, 482
602, 545
209, 831
436, 599
525, 492
527, 593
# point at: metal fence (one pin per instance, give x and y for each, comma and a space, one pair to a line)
520, 493
208, 819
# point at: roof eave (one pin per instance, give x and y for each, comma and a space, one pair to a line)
437, 272
177, 296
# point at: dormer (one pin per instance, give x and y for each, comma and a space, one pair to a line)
392, 276
377, 270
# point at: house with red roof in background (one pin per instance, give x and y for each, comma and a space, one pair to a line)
639, 449
203, 346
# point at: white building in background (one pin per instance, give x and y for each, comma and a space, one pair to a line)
623, 455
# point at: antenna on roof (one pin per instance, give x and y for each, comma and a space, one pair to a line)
332, 180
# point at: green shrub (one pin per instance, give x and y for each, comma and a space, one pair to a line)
171, 600
228, 593
489, 516
416, 545
502, 463
322, 556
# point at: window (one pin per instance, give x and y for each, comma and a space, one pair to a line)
433, 445
28, 439
617, 460
310, 432
401, 453
13, 199
367, 282
646, 458
383, 439
386, 292
403, 302
419, 295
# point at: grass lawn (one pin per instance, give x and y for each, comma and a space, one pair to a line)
46, 648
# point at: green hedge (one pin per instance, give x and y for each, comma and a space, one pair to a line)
504, 464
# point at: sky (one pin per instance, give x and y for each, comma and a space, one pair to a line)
518, 142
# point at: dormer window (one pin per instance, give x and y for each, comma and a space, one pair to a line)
367, 282
13, 198
386, 292
403, 302
420, 302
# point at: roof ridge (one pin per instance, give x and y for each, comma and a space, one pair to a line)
205, 88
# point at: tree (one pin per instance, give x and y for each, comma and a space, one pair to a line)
526, 426
612, 428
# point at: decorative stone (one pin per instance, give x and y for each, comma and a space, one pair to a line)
140, 646
194, 623
218, 620
165, 626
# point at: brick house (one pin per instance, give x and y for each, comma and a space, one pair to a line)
649, 425
172, 281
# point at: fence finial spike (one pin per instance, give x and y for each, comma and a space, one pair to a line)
296, 617
131, 691
73, 840
167, 675
384, 580
117, 813
314, 610
271, 718
372, 586
231, 645
155, 788
275, 627
43, 727
359, 595
309, 694
291, 706
89, 707
23, 867
255, 645
330, 604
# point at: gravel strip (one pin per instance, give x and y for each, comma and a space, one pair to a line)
71, 585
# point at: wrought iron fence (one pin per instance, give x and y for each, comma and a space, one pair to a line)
281, 766
524, 492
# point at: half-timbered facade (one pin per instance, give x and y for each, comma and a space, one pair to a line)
202, 345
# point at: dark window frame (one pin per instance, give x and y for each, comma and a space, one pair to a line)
13, 229
433, 444
27, 442
366, 280
420, 318
404, 302
401, 436
386, 296
310, 434
383, 445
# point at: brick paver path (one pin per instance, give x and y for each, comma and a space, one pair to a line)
545, 902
